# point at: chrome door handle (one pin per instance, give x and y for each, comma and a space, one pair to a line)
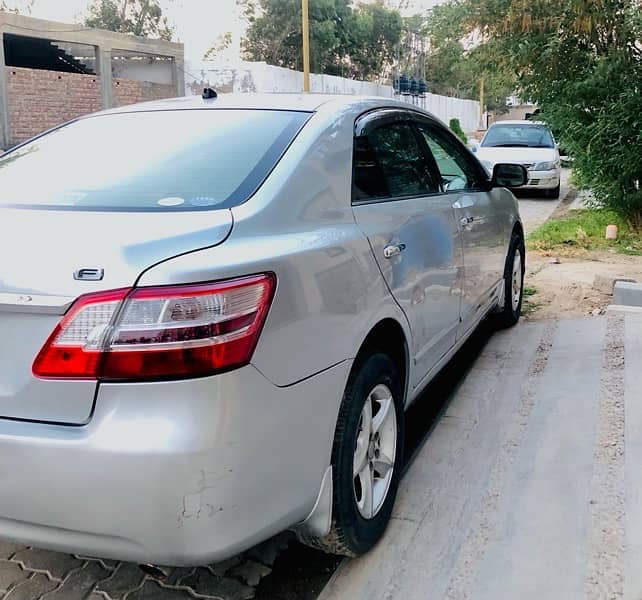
393, 250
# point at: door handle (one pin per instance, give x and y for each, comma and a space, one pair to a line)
393, 250
466, 221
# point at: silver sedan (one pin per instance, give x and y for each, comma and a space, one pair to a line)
215, 311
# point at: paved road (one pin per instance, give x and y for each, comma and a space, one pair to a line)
535, 210
523, 489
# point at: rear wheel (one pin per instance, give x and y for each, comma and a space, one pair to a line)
366, 457
513, 283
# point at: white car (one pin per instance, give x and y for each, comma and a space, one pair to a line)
527, 143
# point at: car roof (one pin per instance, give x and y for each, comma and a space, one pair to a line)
306, 102
517, 122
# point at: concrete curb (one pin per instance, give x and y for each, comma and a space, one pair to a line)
626, 293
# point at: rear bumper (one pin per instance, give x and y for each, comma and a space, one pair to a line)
172, 473
543, 180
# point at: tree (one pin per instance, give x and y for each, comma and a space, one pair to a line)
345, 40
581, 61
223, 42
136, 17
16, 6
456, 61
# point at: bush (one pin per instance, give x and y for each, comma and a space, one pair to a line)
455, 125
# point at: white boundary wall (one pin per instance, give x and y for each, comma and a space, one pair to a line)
261, 77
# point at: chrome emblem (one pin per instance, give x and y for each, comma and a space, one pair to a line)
89, 274
23, 299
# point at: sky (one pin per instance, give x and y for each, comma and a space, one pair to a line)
198, 23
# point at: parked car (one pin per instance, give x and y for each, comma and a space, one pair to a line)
528, 143
216, 311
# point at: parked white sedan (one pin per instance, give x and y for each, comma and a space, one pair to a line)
527, 143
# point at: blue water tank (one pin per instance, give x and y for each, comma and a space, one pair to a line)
404, 84
414, 87
423, 87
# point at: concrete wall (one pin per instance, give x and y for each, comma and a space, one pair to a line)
260, 77
70, 99
39, 100
129, 91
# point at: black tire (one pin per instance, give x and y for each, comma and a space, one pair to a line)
554, 193
351, 534
509, 315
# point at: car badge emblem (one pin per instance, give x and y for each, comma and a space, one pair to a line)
89, 274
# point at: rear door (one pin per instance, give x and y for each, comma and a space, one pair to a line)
481, 220
412, 229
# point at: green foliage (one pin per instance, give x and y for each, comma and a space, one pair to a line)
585, 230
345, 40
581, 61
223, 42
455, 64
455, 125
136, 17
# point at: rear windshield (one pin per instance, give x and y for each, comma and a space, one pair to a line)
149, 161
516, 136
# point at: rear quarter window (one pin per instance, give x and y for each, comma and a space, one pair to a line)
149, 161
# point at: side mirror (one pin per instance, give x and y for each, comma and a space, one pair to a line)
509, 175
474, 148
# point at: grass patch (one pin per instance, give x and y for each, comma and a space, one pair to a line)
584, 230
528, 305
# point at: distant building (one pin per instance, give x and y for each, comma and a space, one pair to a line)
52, 72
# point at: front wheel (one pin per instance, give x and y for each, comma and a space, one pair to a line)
366, 457
513, 283
553, 193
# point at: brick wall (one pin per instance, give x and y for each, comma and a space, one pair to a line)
128, 91
39, 100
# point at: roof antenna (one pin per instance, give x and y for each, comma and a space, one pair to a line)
209, 93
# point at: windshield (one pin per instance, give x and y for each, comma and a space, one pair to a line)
512, 135
149, 161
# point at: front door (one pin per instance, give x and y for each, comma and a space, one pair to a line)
412, 229
466, 187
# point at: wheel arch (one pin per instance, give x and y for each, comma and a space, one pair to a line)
388, 336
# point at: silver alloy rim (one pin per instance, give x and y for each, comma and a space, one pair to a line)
517, 280
375, 450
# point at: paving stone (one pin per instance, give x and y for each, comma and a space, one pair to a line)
251, 572
10, 573
7, 549
205, 583
153, 591
110, 565
58, 565
32, 589
126, 578
79, 583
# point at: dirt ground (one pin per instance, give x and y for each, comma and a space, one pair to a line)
566, 285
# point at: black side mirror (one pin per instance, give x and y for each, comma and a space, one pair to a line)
509, 175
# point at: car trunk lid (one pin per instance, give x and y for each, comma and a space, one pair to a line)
48, 259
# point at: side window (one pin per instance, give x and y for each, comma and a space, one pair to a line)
389, 163
457, 170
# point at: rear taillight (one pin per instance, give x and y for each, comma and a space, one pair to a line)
158, 332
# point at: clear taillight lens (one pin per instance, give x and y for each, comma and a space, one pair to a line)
160, 332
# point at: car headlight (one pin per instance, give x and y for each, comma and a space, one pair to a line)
546, 166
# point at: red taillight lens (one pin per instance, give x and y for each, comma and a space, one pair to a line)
160, 332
